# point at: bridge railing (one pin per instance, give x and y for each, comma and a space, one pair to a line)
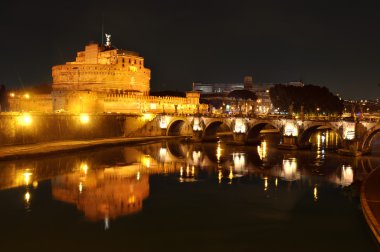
276, 116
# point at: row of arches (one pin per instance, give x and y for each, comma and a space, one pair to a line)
219, 127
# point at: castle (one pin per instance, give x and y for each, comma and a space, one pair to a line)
104, 79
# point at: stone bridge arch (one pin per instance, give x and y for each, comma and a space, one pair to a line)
366, 145
255, 127
213, 125
178, 126
308, 128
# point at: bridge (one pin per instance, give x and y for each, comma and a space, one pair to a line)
356, 136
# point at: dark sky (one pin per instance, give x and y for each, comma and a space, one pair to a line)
330, 43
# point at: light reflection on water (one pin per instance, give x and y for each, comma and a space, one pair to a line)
120, 190
115, 184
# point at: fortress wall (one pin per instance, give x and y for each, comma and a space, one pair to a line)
40, 103
58, 127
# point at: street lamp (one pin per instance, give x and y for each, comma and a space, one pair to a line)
25, 120
84, 118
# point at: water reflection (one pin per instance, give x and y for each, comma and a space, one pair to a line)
346, 176
103, 193
262, 150
325, 139
289, 169
114, 184
315, 193
239, 163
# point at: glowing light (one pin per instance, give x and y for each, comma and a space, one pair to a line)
163, 153
145, 160
106, 223
27, 197
148, 116
131, 199
315, 193
24, 120
26, 96
197, 124
84, 168
138, 175
262, 150
219, 151
348, 130
153, 106
240, 126
12, 95
289, 169
84, 118
133, 69
108, 39
290, 129
239, 161
265, 183
80, 187
231, 176
319, 140
181, 172
197, 157
35, 184
193, 171
27, 175
347, 175
276, 182
163, 122
220, 176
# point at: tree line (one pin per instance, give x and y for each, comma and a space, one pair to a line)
313, 99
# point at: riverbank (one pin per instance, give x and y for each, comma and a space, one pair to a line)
370, 201
39, 149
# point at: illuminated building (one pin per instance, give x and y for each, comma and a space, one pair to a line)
104, 78
220, 91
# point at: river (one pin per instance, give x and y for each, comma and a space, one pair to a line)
178, 196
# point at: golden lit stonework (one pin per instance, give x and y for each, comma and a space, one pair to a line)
104, 79
104, 69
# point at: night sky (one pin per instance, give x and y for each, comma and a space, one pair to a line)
330, 43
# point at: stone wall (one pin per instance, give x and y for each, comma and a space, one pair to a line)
17, 128
26, 102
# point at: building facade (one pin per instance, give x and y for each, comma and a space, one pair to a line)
104, 79
220, 91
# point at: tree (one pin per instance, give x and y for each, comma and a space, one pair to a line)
311, 97
243, 94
